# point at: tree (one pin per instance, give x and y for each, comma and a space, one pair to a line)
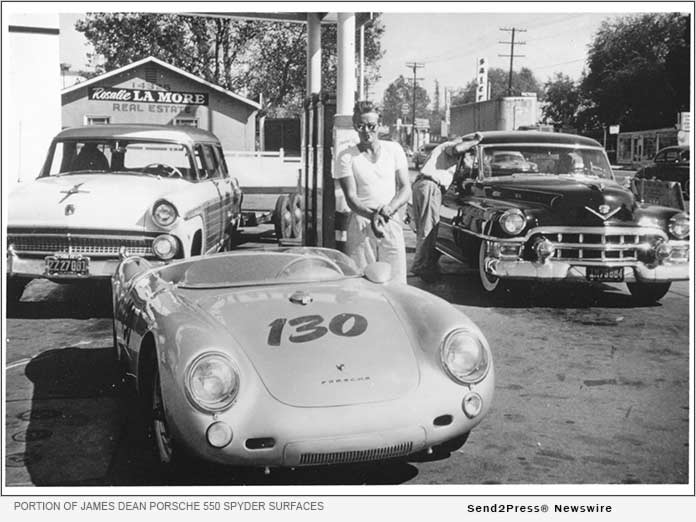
562, 96
437, 114
249, 57
398, 101
522, 81
638, 71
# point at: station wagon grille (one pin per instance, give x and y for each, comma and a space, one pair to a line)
97, 245
601, 245
346, 457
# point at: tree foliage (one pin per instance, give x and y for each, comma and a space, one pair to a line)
638, 71
398, 101
522, 81
249, 57
562, 97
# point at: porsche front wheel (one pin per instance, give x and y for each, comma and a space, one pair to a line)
162, 439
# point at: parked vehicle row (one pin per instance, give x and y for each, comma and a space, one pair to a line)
295, 357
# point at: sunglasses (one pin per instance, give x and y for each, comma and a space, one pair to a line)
369, 126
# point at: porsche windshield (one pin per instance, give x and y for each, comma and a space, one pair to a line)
508, 160
224, 270
119, 156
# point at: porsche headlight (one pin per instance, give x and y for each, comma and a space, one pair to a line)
512, 221
679, 225
212, 382
164, 213
464, 357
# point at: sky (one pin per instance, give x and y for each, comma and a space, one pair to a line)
448, 42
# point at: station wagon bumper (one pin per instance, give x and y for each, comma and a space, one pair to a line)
36, 267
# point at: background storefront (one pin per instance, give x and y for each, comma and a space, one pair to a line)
152, 91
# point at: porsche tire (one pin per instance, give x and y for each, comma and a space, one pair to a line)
648, 293
163, 443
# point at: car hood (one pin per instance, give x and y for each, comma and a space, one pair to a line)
104, 201
576, 200
320, 357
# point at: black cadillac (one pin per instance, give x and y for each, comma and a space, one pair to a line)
546, 207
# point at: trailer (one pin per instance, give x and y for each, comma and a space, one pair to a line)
272, 190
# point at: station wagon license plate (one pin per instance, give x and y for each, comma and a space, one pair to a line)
67, 265
610, 274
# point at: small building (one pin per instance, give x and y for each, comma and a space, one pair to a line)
506, 113
152, 91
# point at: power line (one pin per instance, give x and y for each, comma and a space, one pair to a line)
512, 54
415, 66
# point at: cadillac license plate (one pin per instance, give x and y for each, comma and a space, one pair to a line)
67, 265
609, 274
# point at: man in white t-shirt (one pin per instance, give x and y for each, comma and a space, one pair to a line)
374, 178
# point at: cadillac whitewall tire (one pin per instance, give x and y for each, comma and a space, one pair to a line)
490, 284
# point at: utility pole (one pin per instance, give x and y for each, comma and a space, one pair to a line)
512, 51
415, 66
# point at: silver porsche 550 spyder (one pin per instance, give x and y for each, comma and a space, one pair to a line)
294, 357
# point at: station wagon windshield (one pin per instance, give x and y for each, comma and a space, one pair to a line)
509, 160
120, 156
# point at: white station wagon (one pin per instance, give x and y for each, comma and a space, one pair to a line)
156, 191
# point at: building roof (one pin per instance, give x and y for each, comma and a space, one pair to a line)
138, 131
532, 136
176, 70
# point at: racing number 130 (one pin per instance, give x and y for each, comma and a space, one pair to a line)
309, 327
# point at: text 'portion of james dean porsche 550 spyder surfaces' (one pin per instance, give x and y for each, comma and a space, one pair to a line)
295, 358
159, 191
541, 206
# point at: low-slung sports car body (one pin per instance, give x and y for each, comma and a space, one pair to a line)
295, 358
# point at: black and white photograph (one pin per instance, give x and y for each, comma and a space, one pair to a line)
341, 259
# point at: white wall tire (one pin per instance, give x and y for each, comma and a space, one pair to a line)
489, 283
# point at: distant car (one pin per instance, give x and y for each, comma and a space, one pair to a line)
161, 192
504, 162
296, 358
565, 220
670, 164
422, 154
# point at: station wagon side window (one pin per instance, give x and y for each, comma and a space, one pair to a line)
220, 157
208, 165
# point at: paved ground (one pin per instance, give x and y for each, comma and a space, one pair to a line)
590, 390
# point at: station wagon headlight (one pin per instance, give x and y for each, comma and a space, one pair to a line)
679, 225
464, 357
212, 382
512, 221
164, 213
165, 246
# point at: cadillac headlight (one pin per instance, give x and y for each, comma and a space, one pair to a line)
464, 357
679, 225
164, 213
512, 221
212, 382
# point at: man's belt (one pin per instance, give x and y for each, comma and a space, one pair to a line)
427, 178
